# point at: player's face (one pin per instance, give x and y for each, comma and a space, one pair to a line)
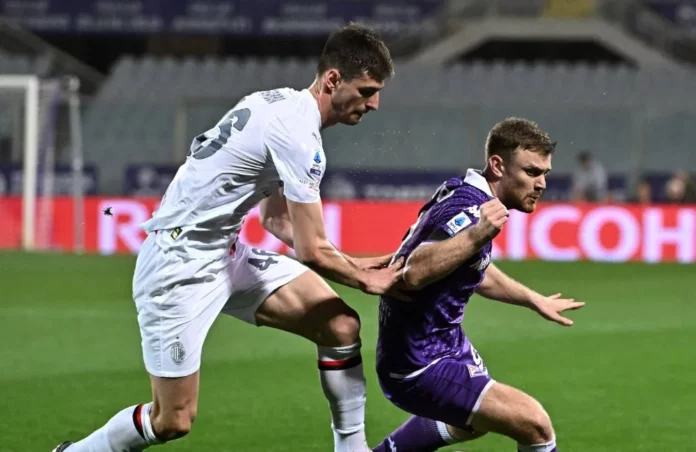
524, 180
352, 100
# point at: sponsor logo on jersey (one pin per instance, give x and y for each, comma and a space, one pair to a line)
316, 172
476, 371
475, 211
482, 264
272, 96
457, 223
311, 184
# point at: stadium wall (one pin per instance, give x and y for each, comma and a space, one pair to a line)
556, 231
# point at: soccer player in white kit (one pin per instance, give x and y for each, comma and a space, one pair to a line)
266, 150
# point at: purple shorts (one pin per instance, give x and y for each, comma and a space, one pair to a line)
449, 390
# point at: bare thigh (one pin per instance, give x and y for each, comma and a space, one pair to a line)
309, 307
511, 412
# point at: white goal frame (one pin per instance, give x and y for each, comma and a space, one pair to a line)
30, 84
70, 95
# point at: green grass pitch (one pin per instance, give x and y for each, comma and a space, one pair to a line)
621, 379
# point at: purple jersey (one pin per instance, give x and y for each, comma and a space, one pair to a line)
414, 334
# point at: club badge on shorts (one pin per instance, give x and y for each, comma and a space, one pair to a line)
178, 352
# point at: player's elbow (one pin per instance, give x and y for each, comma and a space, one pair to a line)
266, 221
308, 255
269, 222
272, 224
414, 276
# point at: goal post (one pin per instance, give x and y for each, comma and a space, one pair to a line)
43, 103
30, 85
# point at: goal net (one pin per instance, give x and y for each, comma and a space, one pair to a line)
39, 132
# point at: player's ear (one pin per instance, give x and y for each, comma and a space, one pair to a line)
496, 165
333, 77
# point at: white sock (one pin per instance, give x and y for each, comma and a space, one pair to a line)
122, 433
444, 433
343, 382
548, 447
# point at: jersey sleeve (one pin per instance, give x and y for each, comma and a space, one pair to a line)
298, 158
453, 215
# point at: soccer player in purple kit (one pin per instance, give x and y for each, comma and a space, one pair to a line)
425, 363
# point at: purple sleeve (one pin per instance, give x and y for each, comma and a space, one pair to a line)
453, 215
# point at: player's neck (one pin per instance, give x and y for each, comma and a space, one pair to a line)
323, 103
492, 185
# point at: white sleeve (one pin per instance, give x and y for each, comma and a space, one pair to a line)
298, 157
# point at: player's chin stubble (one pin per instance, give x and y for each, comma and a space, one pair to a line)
529, 205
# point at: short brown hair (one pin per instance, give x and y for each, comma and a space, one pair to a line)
355, 50
513, 133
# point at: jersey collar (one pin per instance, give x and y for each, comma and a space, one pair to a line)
475, 178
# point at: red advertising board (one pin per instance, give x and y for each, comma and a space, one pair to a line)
614, 233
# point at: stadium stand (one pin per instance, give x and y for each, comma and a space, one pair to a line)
11, 64
603, 108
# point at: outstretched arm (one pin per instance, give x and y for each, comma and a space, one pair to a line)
295, 149
315, 251
275, 218
311, 246
498, 286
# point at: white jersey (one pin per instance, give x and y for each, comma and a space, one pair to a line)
269, 139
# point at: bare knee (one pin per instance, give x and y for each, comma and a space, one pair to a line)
461, 435
174, 424
536, 427
345, 328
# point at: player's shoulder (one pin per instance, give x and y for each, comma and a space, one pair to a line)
288, 111
282, 102
458, 200
471, 189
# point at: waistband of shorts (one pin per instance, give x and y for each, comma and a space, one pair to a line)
406, 375
176, 231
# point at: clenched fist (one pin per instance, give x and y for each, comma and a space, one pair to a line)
493, 216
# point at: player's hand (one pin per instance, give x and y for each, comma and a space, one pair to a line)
372, 263
493, 216
387, 281
551, 308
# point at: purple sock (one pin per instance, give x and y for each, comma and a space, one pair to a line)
416, 435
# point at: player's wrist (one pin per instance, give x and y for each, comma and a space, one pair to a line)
535, 300
363, 280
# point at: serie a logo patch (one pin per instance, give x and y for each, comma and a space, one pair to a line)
456, 224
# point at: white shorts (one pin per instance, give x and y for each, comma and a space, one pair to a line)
178, 298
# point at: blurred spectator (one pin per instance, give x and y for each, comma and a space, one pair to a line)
643, 193
590, 181
680, 188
